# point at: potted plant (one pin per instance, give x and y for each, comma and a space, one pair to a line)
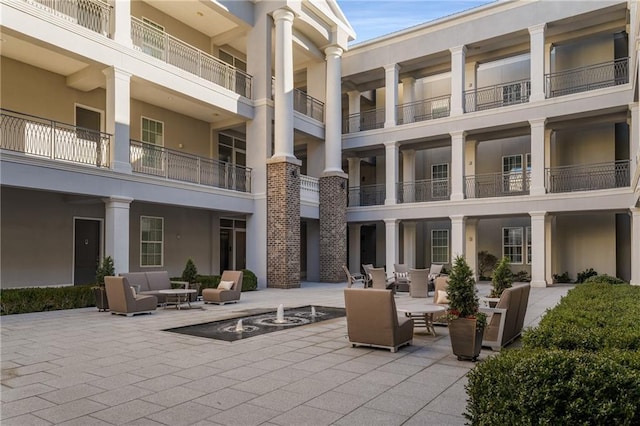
501, 279
105, 269
466, 322
190, 275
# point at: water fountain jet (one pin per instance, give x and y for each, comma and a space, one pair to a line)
313, 311
280, 315
239, 326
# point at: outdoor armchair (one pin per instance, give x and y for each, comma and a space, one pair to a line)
366, 267
353, 278
372, 319
506, 320
434, 272
418, 282
222, 294
401, 276
379, 279
123, 300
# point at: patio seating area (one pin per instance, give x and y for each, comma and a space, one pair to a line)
85, 367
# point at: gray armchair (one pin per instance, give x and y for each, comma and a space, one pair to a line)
122, 300
221, 295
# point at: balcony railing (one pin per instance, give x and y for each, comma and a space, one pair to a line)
91, 14
583, 79
162, 162
50, 139
426, 109
497, 184
309, 188
500, 95
365, 120
424, 190
367, 195
588, 177
308, 105
171, 50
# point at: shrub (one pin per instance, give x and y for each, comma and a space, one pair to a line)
521, 277
463, 297
562, 278
249, 280
40, 299
105, 269
190, 272
582, 276
486, 263
502, 278
604, 279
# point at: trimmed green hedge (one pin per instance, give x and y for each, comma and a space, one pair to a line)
581, 365
24, 300
249, 281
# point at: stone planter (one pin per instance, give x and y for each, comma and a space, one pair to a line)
466, 340
100, 295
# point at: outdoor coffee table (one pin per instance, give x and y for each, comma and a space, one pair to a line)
178, 296
423, 317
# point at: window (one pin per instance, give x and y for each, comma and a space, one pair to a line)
233, 151
153, 39
240, 86
512, 173
528, 237
440, 246
440, 181
151, 240
512, 94
512, 244
153, 134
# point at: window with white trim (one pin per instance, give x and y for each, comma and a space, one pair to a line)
152, 132
528, 240
439, 246
512, 240
151, 240
440, 181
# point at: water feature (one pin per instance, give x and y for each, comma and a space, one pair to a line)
280, 315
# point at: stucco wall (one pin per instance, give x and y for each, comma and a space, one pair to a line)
490, 237
585, 145
489, 153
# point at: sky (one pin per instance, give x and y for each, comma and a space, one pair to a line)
374, 18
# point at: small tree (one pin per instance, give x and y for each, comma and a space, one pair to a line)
190, 272
486, 263
105, 269
463, 298
502, 278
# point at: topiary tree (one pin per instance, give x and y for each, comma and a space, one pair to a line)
486, 263
190, 272
249, 280
463, 298
105, 269
502, 278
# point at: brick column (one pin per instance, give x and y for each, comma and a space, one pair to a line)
333, 227
283, 224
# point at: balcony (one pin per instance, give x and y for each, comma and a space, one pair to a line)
588, 177
424, 190
366, 195
587, 78
497, 184
158, 161
309, 189
308, 105
40, 137
171, 50
426, 109
365, 120
500, 95
91, 14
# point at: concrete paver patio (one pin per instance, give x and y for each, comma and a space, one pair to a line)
84, 367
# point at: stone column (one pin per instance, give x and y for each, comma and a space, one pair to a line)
537, 62
457, 165
458, 55
635, 245
391, 243
116, 233
538, 145
354, 247
354, 182
409, 176
391, 94
283, 88
538, 247
408, 98
409, 244
391, 172
457, 236
354, 108
121, 22
118, 117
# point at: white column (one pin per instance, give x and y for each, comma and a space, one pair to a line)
118, 117
391, 172
458, 55
354, 247
548, 238
354, 108
457, 165
391, 243
409, 176
408, 97
391, 94
470, 151
354, 181
116, 233
409, 243
333, 112
537, 62
457, 236
538, 145
634, 139
538, 247
121, 23
471, 245
635, 245
283, 96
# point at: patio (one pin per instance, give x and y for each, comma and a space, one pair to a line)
84, 367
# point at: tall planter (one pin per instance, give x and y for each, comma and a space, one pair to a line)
100, 295
466, 338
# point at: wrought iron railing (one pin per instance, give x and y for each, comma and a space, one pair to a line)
367, 195
171, 50
424, 190
426, 109
47, 138
170, 164
364, 120
308, 105
309, 188
499, 95
588, 177
587, 78
91, 14
497, 184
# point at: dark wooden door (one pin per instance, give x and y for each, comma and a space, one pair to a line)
86, 251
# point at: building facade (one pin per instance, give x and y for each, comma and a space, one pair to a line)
247, 134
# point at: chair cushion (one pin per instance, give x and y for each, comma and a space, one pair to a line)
443, 297
137, 279
133, 291
225, 285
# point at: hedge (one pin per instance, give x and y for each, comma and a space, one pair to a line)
249, 281
40, 299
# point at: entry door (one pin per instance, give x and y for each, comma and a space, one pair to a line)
240, 258
86, 251
225, 249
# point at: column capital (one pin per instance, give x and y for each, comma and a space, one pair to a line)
391, 221
457, 217
333, 51
114, 72
458, 49
458, 134
408, 80
537, 122
537, 28
283, 14
116, 199
391, 67
538, 214
390, 144
635, 211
